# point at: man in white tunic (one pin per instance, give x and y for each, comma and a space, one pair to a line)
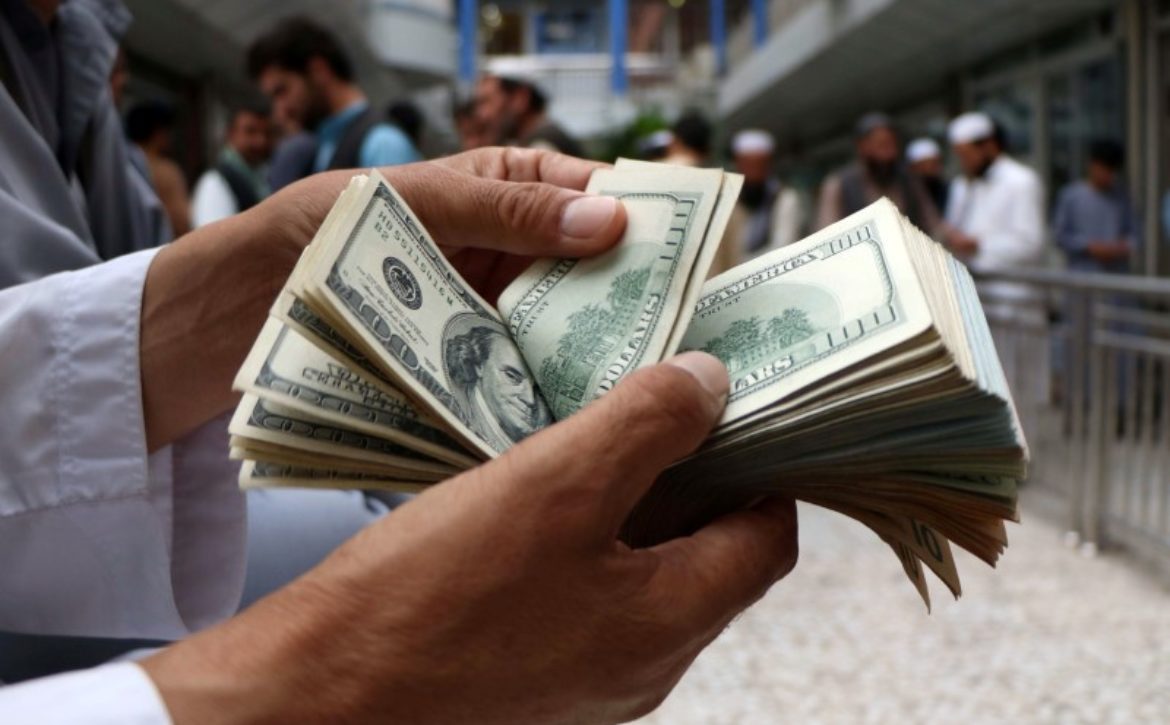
995, 216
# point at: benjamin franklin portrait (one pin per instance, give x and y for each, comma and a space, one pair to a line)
491, 382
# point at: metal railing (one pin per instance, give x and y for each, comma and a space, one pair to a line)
1088, 359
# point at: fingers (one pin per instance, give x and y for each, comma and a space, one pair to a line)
725, 567
529, 219
603, 459
516, 164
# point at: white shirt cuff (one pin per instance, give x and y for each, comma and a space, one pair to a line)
119, 694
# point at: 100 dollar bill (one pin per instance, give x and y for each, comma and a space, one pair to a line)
583, 324
386, 286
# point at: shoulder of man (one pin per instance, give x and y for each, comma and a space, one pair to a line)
1018, 174
387, 145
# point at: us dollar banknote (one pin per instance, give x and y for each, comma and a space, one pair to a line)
387, 287
786, 320
286, 368
583, 324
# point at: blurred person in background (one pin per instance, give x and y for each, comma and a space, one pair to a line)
294, 151
513, 111
306, 74
467, 126
690, 140
409, 118
995, 214
1095, 224
877, 171
239, 179
770, 213
926, 162
655, 146
150, 125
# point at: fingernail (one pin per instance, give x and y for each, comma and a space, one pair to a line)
585, 217
707, 369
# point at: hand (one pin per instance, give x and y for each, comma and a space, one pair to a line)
491, 210
1110, 251
503, 595
962, 245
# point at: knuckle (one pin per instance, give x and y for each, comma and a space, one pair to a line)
667, 394
523, 208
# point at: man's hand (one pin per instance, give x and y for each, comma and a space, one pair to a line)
491, 210
504, 595
1109, 251
960, 244
206, 296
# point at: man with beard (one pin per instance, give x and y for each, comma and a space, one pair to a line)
995, 216
878, 171
511, 111
309, 79
238, 181
769, 213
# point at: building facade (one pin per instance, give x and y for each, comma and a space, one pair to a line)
1055, 73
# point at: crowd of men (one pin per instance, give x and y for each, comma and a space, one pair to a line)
992, 214
489, 599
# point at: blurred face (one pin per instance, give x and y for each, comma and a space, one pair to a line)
497, 112
293, 96
879, 147
509, 392
930, 168
974, 158
754, 167
1102, 176
249, 135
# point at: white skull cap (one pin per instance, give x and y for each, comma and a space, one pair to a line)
970, 127
753, 141
922, 149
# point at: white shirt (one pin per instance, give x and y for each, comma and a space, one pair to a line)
120, 694
1004, 211
213, 199
98, 537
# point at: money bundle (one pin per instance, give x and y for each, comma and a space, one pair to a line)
863, 374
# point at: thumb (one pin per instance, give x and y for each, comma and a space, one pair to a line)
524, 218
602, 460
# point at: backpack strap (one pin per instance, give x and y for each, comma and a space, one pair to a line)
240, 186
349, 148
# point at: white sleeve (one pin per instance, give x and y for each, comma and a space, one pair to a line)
97, 537
120, 694
787, 219
1018, 236
213, 200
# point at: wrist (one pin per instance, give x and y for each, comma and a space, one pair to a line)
286, 659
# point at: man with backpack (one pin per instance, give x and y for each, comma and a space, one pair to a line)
305, 73
237, 182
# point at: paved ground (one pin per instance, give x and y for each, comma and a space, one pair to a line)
1049, 637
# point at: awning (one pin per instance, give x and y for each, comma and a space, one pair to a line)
836, 59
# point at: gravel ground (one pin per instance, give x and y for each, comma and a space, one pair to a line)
1049, 637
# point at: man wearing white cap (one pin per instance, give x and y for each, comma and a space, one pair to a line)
770, 211
995, 214
877, 171
925, 159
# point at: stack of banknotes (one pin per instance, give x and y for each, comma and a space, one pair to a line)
863, 374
